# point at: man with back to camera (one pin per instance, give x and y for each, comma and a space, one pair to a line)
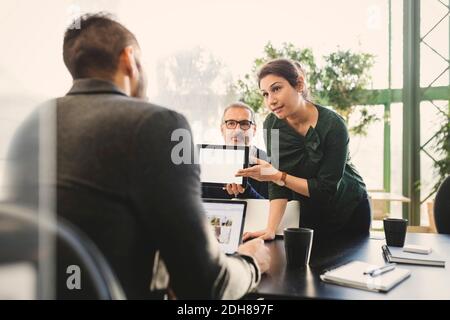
116, 180
238, 127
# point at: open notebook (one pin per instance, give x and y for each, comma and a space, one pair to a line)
352, 275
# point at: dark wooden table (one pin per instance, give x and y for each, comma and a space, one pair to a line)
425, 282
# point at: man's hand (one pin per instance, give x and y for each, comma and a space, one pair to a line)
234, 189
256, 249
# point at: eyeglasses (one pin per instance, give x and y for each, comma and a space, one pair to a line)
243, 124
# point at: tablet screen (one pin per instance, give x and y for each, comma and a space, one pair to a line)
219, 164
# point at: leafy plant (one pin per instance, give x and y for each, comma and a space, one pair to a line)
442, 146
340, 83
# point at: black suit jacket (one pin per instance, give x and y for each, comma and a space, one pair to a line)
116, 180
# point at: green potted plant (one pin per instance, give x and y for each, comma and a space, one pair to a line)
340, 83
442, 147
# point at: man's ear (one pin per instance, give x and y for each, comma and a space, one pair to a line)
222, 129
128, 62
300, 83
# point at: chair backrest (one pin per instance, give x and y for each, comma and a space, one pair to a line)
26, 229
442, 207
419, 229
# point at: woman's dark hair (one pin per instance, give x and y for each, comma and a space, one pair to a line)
287, 69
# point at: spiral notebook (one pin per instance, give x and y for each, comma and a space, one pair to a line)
352, 275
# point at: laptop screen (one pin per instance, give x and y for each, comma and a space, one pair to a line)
226, 219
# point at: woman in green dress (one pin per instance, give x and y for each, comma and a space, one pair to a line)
314, 163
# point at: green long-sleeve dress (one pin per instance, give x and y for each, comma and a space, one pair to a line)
321, 157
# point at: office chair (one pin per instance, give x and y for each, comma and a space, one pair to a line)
442, 207
20, 233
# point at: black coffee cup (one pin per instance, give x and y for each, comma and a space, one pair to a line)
395, 231
297, 244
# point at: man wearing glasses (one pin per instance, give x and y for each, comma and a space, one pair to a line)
239, 128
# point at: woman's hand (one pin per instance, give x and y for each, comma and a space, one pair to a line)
262, 234
263, 171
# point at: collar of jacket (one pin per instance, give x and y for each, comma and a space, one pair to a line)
94, 86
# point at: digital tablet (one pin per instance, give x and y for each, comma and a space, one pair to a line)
220, 163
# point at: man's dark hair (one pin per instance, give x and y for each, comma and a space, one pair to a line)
93, 44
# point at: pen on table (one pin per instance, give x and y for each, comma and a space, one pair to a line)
381, 270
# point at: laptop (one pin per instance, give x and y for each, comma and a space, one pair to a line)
227, 219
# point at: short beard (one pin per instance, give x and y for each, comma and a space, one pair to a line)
141, 88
